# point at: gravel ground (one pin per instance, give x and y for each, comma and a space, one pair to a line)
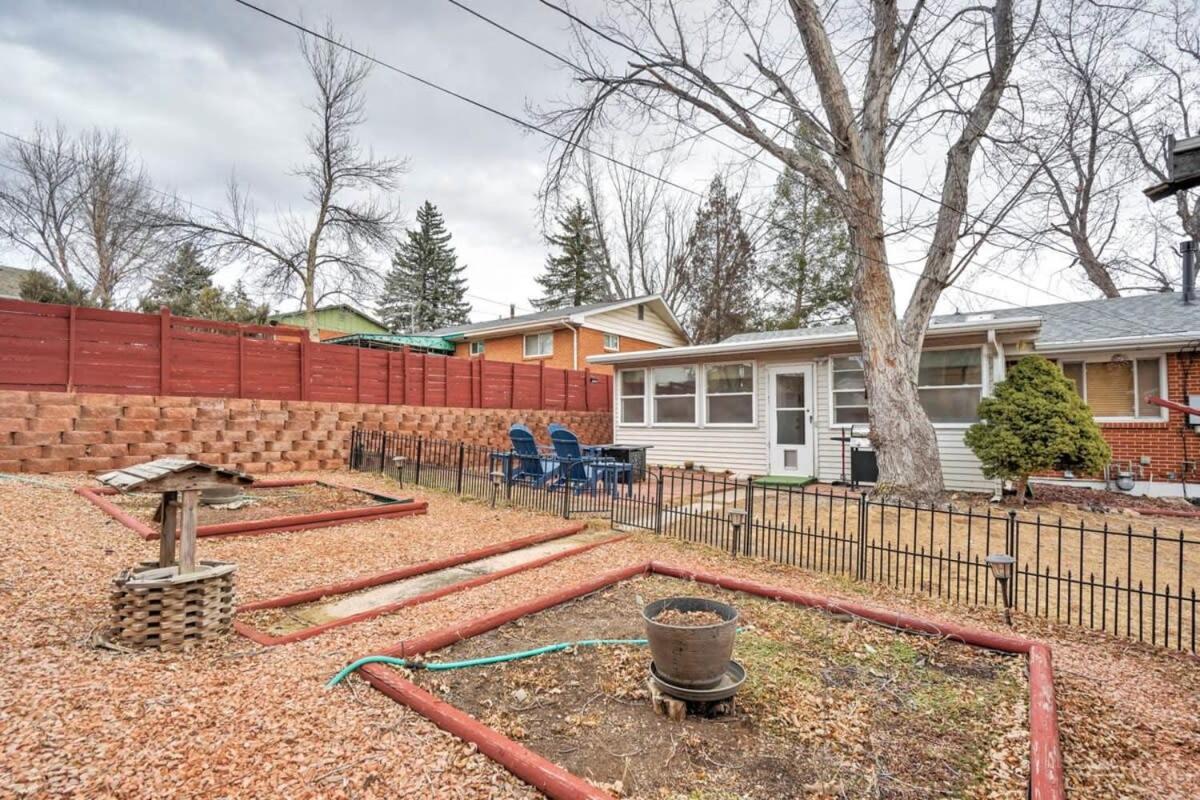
232, 719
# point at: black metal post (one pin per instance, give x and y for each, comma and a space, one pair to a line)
459, 479
1187, 249
417, 476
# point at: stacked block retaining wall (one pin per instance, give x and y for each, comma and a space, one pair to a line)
65, 431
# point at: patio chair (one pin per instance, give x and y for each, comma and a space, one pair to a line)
527, 462
583, 471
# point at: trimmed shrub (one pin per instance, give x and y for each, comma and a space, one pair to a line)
1034, 421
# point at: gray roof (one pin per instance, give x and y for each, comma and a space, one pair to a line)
10, 281
1085, 320
548, 314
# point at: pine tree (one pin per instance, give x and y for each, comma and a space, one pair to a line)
720, 269
574, 275
807, 271
426, 288
186, 287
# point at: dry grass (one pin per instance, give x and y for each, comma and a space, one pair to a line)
236, 720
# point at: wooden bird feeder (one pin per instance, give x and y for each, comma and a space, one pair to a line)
174, 601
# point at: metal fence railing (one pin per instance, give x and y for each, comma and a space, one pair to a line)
1137, 583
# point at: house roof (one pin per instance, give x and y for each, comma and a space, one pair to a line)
1160, 318
1083, 321
10, 281
394, 341
335, 307
141, 476
572, 314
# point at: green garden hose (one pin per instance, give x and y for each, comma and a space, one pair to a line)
476, 662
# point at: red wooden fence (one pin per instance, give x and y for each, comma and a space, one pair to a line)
66, 348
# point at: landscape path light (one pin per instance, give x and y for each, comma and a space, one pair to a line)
497, 476
737, 518
398, 463
1002, 570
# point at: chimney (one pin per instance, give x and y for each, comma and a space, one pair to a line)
512, 310
1188, 250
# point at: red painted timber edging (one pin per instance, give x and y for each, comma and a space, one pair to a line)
266, 639
1045, 762
295, 522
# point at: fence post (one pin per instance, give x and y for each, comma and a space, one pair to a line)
164, 350
749, 524
567, 493
864, 509
72, 335
1010, 548
587, 396
241, 361
358, 374
304, 366
383, 452
417, 477
459, 480
658, 503
541, 383
404, 375
387, 372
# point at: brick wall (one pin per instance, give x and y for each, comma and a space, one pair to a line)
59, 432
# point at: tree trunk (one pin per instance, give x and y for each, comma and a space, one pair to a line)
904, 440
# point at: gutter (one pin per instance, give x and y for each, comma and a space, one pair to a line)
1150, 340
800, 342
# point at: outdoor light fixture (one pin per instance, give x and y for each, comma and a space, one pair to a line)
497, 476
737, 518
1002, 569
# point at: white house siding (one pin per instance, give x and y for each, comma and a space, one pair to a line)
745, 452
624, 322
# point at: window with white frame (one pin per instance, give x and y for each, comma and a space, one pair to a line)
729, 394
950, 383
631, 385
612, 341
539, 344
849, 390
477, 348
674, 395
1117, 388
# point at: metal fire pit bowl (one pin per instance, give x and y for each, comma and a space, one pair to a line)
691, 657
731, 681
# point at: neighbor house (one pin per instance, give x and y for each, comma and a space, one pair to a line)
781, 402
567, 337
333, 321
10, 281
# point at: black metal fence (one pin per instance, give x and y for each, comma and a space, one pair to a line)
1135, 583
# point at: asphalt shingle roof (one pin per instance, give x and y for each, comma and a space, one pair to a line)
1086, 320
10, 281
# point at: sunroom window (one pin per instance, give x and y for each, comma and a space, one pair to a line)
675, 395
632, 387
849, 391
729, 394
950, 383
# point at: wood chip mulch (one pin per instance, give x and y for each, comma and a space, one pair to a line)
233, 719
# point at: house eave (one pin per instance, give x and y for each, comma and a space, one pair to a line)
805, 342
1091, 345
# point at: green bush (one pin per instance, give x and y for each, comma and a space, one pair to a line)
1036, 421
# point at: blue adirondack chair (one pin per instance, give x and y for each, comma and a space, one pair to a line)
527, 463
582, 471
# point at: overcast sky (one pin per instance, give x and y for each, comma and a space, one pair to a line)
203, 89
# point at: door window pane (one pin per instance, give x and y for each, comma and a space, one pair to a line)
789, 391
790, 459
789, 426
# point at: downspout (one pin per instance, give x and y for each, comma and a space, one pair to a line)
998, 370
574, 344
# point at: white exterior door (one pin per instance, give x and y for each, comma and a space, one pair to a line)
790, 419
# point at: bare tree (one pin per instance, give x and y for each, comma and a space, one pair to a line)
85, 209
926, 74
330, 248
1171, 49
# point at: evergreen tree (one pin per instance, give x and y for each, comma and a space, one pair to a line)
41, 287
720, 269
807, 270
574, 275
425, 288
185, 285
1033, 421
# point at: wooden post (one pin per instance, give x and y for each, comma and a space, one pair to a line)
404, 376
170, 521
358, 374
387, 371
187, 531
241, 361
587, 383
164, 350
542, 384
72, 338
512, 385
304, 367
